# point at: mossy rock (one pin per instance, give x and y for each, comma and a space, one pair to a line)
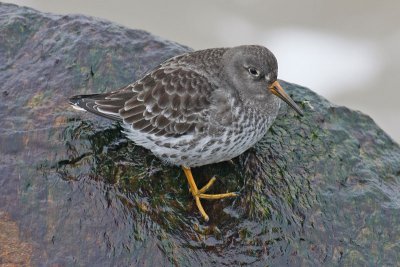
320, 189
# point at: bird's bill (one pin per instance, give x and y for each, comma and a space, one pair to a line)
277, 90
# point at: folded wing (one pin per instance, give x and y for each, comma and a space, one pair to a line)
167, 101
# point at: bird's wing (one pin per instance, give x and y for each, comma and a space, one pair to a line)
167, 101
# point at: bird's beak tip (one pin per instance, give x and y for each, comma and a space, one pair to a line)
277, 90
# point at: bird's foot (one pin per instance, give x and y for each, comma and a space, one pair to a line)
200, 193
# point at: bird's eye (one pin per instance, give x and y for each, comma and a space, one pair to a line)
254, 72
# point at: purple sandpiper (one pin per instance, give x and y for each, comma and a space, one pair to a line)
198, 108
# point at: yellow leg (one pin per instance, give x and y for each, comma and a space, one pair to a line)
197, 194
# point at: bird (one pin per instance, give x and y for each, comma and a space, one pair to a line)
198, 108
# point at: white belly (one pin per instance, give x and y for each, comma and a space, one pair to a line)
192, 150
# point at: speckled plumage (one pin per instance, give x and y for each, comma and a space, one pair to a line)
197, 108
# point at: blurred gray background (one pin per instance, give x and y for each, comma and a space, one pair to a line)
347, 51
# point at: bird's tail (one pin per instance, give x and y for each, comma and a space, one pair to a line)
92, 103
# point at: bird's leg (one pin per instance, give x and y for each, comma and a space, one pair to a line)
197, 194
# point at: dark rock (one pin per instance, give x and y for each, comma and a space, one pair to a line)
322, 189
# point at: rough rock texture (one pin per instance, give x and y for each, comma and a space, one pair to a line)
322, 189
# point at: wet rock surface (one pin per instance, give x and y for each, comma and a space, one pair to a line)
321, 189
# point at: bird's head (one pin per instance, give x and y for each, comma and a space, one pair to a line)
253, 70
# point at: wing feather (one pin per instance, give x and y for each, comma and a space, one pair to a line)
168, 101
